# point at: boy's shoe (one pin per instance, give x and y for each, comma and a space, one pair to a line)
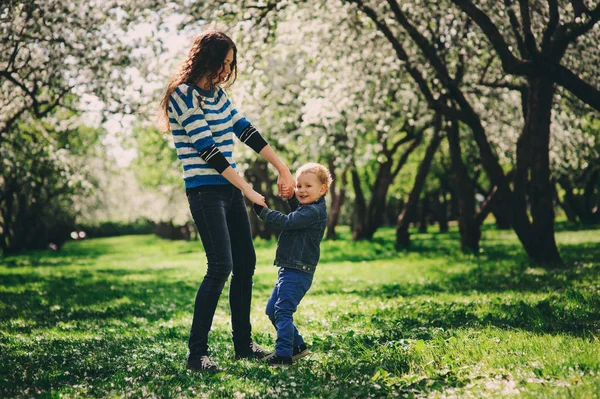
299, 352
254, 351
278, 361
203, 364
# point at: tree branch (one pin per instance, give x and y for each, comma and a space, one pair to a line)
14, 81
398, 143
578, 29
581, 89
502, 85
510, 63
13, 56
487, 66
409, 136
401, 53
552, 24
529, 38
487, 206
516, 27
467, 114
579, 7
264, 10
402, 161
10, 121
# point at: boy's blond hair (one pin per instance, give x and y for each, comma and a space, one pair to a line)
321, 171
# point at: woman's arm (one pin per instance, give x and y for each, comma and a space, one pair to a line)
238, 181
285, 181
248, 135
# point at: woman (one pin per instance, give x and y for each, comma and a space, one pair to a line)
203, 121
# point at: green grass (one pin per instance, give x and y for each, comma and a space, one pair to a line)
110, 318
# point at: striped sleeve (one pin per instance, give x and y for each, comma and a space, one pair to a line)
188, 113
252, 138
244, 130
215, 158
238, 121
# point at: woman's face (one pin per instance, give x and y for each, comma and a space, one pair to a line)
225, 69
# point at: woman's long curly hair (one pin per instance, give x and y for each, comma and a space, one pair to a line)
206, 57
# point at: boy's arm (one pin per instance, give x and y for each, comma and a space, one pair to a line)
257, 209
293, 202
299, 219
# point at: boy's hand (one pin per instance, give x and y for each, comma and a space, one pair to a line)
285, 184
287, 192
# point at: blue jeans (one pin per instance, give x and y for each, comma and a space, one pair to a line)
222, 220
289, 290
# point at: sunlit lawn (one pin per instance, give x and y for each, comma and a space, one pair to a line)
110, 318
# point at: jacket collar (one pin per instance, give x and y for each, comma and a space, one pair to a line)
319, 201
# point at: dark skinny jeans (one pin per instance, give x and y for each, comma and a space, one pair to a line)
220, 214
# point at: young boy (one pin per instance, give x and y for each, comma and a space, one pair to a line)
297, 257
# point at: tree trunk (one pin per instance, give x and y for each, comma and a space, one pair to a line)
360, 208
566, 203
403, 222
263, 182
6, 237
469, 227
583, 206
392, 210
386, 173
591, 198
422, 211
443, 215
438, 209
502, 216
338, 198
537, 123
376, 208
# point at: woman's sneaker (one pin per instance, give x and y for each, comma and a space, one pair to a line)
278, 361
203, 364
299, 352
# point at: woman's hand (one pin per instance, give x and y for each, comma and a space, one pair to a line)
255, 197
285, 181
286, 192
285, 184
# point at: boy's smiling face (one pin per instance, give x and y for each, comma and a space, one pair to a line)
309, 188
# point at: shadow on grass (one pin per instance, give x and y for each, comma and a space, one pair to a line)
491, 276
98, 363
48, 301
576, 226
571, 304
575, 314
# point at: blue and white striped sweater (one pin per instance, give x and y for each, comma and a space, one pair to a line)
199, 119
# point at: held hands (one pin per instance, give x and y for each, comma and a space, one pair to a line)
286, 192
285, 184
255, 197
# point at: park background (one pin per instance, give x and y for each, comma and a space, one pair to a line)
462, 251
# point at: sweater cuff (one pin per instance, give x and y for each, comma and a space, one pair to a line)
215, 158
257, 209
253, 139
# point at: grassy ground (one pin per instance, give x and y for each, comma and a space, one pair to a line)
110, 318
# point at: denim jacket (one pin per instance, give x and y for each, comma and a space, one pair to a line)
301, 233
